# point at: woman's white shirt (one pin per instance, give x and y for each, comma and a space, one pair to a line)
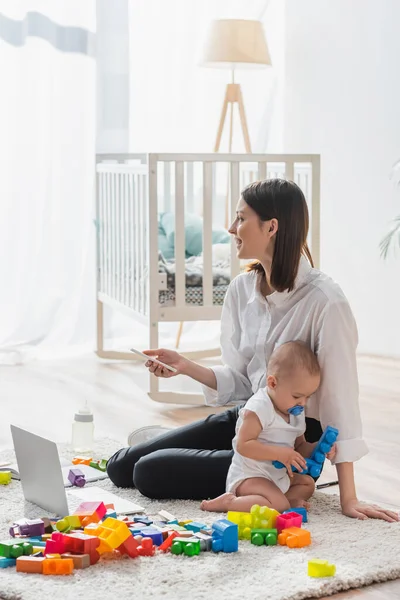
316, 312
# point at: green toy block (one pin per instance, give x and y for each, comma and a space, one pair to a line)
188, 546
13, 549
259, 537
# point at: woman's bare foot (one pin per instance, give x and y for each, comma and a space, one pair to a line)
220, 504
299, 503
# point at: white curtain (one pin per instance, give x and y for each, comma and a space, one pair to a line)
150, 95
47, 147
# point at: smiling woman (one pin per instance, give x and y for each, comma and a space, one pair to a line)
283, 298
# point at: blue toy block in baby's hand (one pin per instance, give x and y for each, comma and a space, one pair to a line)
316, 460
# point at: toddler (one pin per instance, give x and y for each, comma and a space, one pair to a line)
271, 427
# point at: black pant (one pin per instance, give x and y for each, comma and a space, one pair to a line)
188, 463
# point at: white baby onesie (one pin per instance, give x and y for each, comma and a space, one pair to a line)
275, 431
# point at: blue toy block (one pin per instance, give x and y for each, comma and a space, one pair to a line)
315, 463
300, 511
195, 526
7, 562
225, 536
154, 534
135, 530
144, 520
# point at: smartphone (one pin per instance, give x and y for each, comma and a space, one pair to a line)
146, 358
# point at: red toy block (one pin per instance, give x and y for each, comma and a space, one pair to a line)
90, 512
82, 544
147, 547
289, 519
56, 544
166, 545
129, 547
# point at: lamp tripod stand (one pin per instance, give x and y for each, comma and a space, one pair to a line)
233, 95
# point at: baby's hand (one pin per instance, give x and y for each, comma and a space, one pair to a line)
332, 453
290, 458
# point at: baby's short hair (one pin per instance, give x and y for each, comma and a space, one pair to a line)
292, 355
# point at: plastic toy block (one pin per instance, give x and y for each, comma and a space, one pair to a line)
58, 566
80, 561
30, 564
115, 532
143, 520
205, 541
286, 520
69, 522
301, 511
138, 538
154, 534
135, 530
184, 522
244, 521
90, 512
166, 516
37, 551
320, 568
5, 477
104, 547
187, 546
82, 544
55, 545
47, 536
76, 477
7, 562
167, 543
81, 460
15, 548
173, 522
35, 542
185, 534
195, 526
110, 513
177, 528
129, 547
225, 536
315, 463
267, 537
263, 517
146, 547
55, 555
294, 537
29, 527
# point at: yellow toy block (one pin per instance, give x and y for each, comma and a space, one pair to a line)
5, 477
104, 547
185, 522
69, 522
114, 532
263, 517
320, 568
244, 521
55, 555
92, 529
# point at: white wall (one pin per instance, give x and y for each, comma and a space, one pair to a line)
342, 100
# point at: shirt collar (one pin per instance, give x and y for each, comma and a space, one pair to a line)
277, 298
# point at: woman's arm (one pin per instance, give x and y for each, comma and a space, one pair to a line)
337, 400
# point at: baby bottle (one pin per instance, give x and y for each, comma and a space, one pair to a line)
82, 430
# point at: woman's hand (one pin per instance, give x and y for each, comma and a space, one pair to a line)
289, 457
361, 510
169, 357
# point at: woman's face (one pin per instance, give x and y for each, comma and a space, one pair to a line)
252, 236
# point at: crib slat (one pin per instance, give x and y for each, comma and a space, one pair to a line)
131, 241
179, 235
100, 233
235, 192
109, 237
140, 236
289, 170
262, 171
207, 233
136, 242
315, 210
144, 233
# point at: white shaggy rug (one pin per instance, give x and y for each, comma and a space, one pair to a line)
363, 551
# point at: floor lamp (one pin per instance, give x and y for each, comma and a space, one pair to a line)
234, 44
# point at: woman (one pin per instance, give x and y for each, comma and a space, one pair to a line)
281, 298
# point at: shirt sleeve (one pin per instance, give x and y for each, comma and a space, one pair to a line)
337, 396
261, 405
233, 385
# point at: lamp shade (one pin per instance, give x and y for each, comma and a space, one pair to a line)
236, 44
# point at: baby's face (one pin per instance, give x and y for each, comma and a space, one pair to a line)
292, 390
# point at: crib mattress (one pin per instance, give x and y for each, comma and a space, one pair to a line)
193, 296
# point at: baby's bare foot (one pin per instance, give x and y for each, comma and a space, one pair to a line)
299, 503
220, 504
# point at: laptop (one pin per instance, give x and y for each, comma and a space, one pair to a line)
42, 478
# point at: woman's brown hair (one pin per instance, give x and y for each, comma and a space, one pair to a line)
282, 200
